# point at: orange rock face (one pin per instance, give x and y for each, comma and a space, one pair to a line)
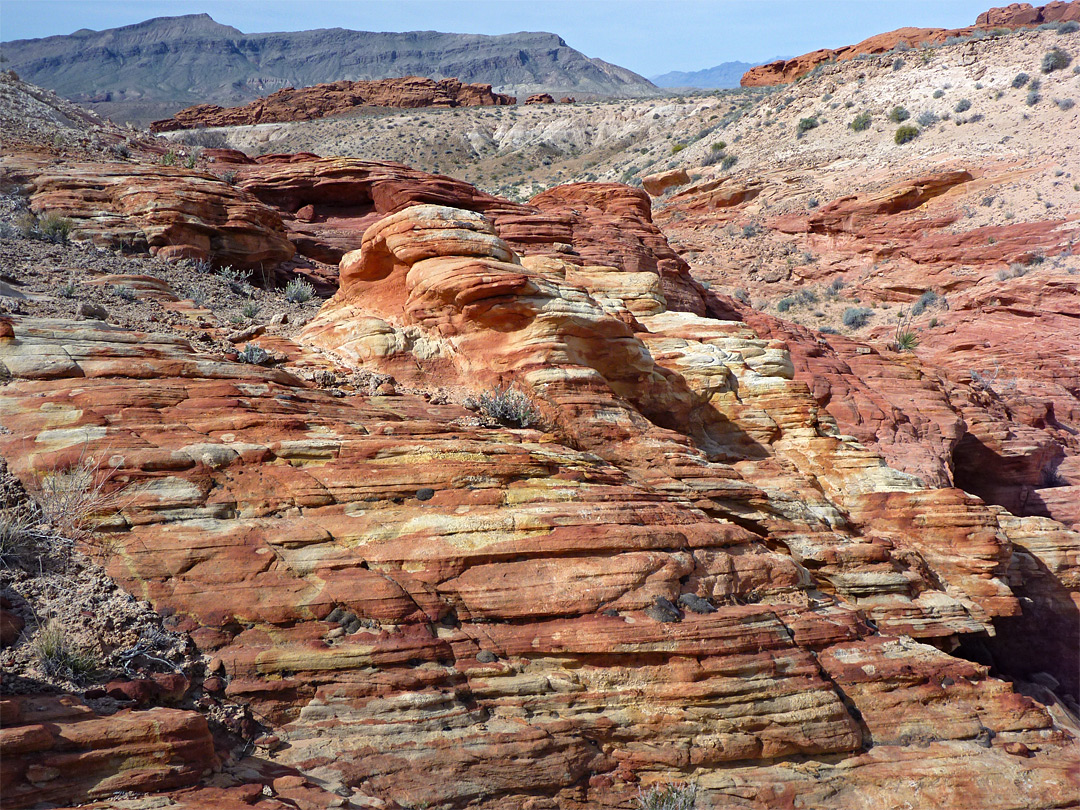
321, 100
172, 213
688, 573
57, 750
1016, 15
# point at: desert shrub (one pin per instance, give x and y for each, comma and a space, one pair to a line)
1053, 60
939, 93
169, 158
728, 162
192, 160
927, 118
677, 148
59, 657
73, 499
856, 317
1035, 84
508, 406
898, 114
784, 304
250, 309
749, 231
126, 293
676, 796
254, 355
963, 105
1019, 80
19, 538
905, 134
204, 138
1064, 103
719, 146
928, 299
299, 291
860, 122
236, 278
1070, 27
1033, 98
229, 177
806, 124
741, 295
67, 289
49, 227
897, 63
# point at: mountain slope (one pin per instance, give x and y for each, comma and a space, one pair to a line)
723, 76
182, 60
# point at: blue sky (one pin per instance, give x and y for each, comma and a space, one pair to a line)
647, 36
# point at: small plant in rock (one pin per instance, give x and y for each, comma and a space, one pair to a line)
59, 657
192, 159
927, 118
897, 63
50, 227
73, 499
898, 114
169, 158
126, 293
856, 317
905, 133
675, 796
963, 105
299, 291
507, 405
928, 299
254, 355
1053, 60
784, 304
249, 310
67, 289
19, 538
806, 124
860, 122
236, 279
1033, 98
749, 231
728, 162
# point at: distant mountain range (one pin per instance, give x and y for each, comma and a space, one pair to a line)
721, 77
161, 65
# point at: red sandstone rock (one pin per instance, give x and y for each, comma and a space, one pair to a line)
1017, 15
540, 98
174, 213
334, 98
59, 750
657, 184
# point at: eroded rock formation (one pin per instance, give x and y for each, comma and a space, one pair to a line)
334, 98
688, 572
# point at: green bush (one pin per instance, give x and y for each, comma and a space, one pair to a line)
806, 124
905, 134
963, 105
507, 405
784, 304
1019, 80
728, 162
906, 341
1056, 59
1033, 98
898, 114
939, 93
677, 148
55, 228
59, 657
299, 291
668, 797
1070, 27
856, 317
861, 122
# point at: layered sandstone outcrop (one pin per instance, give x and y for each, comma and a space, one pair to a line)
686, 572
334, 98
171, 212
1016, 15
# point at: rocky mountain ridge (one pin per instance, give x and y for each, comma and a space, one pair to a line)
174, 62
